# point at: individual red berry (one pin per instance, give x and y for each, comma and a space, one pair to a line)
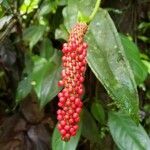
81, 79
62, 122
59, 117
75, 127
65, 45
70, 111
71, 121
67, 127
78, 109
85, 45
60, 95
72, 98
60, 104
72, 131
63, 132
77, 101
58, 111
59, 126
62, 99
75, 115
77, 119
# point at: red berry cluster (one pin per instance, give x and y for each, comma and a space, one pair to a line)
74, 66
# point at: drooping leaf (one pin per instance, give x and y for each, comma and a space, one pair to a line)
25, 85
133, 55
126, 133
40, 67
58, 144
23, 89
28, 6
107, 59
89, 127
98, 112
33, 34
45, 75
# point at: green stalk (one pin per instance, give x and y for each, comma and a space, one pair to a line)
95, 10
88, 19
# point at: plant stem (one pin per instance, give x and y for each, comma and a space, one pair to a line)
95, 10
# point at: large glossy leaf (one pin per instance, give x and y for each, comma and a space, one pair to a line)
89, 127
106, 58
126, 134
45, 75
133, 55
58, 144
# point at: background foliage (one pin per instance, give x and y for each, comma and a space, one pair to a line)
116, 113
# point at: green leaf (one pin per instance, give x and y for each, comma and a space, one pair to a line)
89, 127
24, 88
107, 59
147, 64
126, 134
5, 3
70, 13
48, 6
45, 76
144, 26
133, 55
98, 112
28, 6
62, 2
33, 34
47, 49
25, 85
58, 144
144, 38
61, 33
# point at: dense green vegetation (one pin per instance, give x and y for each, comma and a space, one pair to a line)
116, 99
